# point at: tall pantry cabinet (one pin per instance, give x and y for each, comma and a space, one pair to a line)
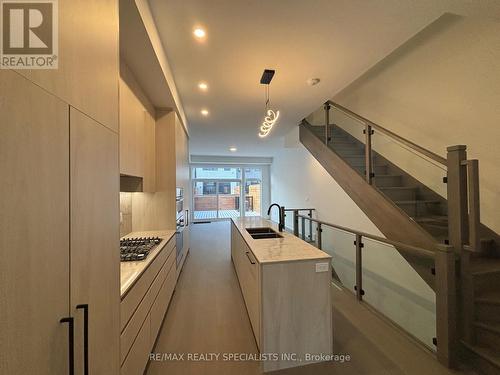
59, 202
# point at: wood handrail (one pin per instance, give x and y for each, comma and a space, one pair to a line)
414, 250
389, 133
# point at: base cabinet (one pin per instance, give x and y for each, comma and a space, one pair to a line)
147, 301
138, 357
248, 271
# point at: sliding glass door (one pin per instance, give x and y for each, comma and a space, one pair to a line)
226, 192
229, 193
253, 191
205, 200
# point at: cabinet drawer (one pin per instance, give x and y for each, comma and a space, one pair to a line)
138, 357
130, 332
160, 305
250, 286
248, 272
137, 292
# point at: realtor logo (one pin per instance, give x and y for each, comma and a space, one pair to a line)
29, 37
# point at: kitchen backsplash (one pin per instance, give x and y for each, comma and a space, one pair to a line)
125, 213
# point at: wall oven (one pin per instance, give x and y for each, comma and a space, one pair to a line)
179, 200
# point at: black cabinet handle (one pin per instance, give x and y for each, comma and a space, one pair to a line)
250, 259
71, 341
85, 308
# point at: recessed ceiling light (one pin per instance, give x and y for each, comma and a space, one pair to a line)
199, 33
203, 86
233, 149
204, 112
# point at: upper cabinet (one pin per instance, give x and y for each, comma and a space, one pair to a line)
149, 180
182, 160
137, 132
88, 60
131, 132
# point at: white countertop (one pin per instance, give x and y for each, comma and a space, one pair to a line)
287, 249
130, 271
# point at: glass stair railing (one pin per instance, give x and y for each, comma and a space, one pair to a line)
410, 179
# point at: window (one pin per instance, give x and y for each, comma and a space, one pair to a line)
253, 173
217, 173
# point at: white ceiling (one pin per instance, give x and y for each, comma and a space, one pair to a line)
334, 40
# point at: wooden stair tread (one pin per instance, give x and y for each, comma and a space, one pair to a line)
481, 266
492, 327
397, 188
433, 219
489, 298
485, 353
417, 201
388, 175
431, 224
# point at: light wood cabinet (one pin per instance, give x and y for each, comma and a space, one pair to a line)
159, 308
143, 308
248, 272
34, 232
59, 227
88, 59
288, 303
95, 261
138, 355
137, 132
132, 119
149, 178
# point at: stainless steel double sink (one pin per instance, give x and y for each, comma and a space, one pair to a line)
263, 233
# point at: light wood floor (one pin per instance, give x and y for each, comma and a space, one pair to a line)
207, 315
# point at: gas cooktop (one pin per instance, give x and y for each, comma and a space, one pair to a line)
136, 249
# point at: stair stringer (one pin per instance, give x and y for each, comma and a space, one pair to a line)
391, 220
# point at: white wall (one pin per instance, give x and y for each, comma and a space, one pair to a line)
391, 285
442, 88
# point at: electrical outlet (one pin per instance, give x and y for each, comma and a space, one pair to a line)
321, 267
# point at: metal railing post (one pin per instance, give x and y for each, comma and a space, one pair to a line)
446, 305
457, 231
283, 215
359, 267
327, 107
368, 153
303, 236
310, 214
296, 222
319, 231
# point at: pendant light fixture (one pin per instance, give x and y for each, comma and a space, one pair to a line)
271, 116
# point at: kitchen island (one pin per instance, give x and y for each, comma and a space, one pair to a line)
285, 283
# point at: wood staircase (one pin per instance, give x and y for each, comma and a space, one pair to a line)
420, 217
420, 203
483, 347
